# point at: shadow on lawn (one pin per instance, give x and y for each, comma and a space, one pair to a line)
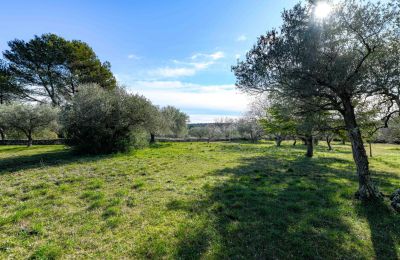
273, 208
33, 161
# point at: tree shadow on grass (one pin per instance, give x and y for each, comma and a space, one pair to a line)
276, 208
48, 158
385, 228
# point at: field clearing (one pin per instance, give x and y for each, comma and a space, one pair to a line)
195, 201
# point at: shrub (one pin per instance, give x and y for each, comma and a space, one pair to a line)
102, 121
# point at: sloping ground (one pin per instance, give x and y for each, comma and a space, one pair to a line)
194, 200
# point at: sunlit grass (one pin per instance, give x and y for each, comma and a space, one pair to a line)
194, 200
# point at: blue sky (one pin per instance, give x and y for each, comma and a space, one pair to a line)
176, 52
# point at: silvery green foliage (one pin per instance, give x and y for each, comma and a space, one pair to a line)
328, 63
29, 118
328, 58
174, 122
250, 128
102, 121
198, 131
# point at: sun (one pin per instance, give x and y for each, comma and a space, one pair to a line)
322, 10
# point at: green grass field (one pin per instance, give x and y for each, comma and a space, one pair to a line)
195, 201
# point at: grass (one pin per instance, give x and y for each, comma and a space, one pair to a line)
194, 201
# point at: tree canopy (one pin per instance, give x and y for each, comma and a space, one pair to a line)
51, 67
326, 63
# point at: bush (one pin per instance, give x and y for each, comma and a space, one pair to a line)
102, 121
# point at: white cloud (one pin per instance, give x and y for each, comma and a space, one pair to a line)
237, 56
213, 56
207, 118
217, 55
168, 72
221, 99
199, 62
133, 57
241, 38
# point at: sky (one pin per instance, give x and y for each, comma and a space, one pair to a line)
174, 52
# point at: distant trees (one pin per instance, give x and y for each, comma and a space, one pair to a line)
226, 127
250, 127
102, 121
278, 121
328, 64
198, 131
28, 119
175, 121
168, 121
50, 67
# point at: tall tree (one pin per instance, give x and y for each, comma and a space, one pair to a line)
8, 90
50, 67
328, 60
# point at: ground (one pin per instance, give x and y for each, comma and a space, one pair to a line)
195, 200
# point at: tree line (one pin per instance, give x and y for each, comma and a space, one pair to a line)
51, 83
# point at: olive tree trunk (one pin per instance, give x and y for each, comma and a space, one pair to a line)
310, 146
2, 134
328, 142
366, 189
278, 140
370, 149
30, 141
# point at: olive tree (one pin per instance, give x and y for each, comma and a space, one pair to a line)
250, 127
198, 131
102, 121
28, 118
327, 60
175, 121
226, 127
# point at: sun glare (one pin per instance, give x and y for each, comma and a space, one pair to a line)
322, 10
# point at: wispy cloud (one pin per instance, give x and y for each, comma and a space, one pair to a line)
220, 99
133, 57
168, 72
241, 38
209, 118
196, 63
212, 56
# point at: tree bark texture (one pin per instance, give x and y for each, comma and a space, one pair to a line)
366, 188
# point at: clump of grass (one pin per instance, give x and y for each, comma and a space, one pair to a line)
137, 184
47, 251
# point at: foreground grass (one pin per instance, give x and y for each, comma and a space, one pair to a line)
194, 200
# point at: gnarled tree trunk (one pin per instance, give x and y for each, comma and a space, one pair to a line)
30, 141
366, 189
328, 142
2, 134
310, 146
278, 140
370, 149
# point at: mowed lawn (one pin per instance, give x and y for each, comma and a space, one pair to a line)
195, 201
